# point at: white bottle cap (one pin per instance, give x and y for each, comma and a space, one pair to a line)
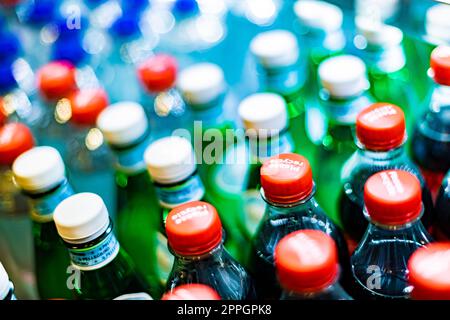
170, 159
123, 123
201, 83
319, 15
437, 22
343, 76
81, 217
39, 169
263, 114
377, 33
4, 282
276, 48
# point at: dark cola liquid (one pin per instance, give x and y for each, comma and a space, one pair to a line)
272, 230
354, 221
431, 146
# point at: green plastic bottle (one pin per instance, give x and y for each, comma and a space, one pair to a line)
125, 128
282, 71
40, 173
212, 109
381, 48
343, 95
100, 268
173, 170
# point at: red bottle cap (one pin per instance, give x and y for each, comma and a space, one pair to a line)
286, 178
87, 104
429, 272
193, 291
56, 80
381, 127
158, 73
393, 197
15, 139
306, 261
440, 65
193, 228
3, 115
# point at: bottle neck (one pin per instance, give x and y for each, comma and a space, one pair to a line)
43, 204
130, 159
384, 155
261, 148
218, 254
94, 252
307, 205
210, 113
385, 60
440, 97
180, 192
285, 81
379, 229
333, 292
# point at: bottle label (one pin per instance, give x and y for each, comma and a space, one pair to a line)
131, 160
97, 256
171, 196
42, 208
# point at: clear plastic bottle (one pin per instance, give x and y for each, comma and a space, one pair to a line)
40, 173
393, 205
429, 270
320, 29
288, 190
126, 130
194, 232
443, 207
431, 139
15, 223
161, 100
381, 139
267, 134
281, 68
343, 95
89, 160
56, 82
193, 291
381, 48
129, 47
173, 169
307, 267
6, 286
100, 268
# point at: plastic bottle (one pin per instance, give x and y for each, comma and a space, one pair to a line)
100, 268
90, 162
307, 267
381, 138
393, 205
17, 256
193, 291
443, 207
56, 82
381, 48
6, 286
161, 100
282, 70
429, 269
40, 173
195, 236
125, 128
288, 190
343, 95
173, 170
431, 139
